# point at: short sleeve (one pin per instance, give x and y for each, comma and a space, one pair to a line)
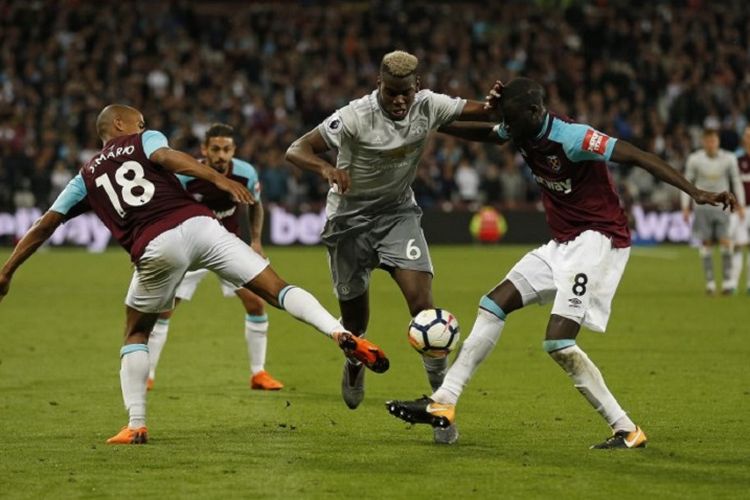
73, 194
582, 142
248, 171
338, 127
153, 140
184, 179
443, 108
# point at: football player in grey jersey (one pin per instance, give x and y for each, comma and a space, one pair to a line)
373, 218
714, 169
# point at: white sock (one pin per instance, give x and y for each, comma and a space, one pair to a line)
484, 335
133, 375
747, 270
302, 305
256, 335
589, 381
156, 342
736, 267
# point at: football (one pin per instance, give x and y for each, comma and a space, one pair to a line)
434, 332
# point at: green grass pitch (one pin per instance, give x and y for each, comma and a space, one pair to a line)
676, 360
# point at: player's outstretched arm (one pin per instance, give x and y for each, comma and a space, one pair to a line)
486, 111
30, 242
182, 163
624, 152
303, 153
473, 131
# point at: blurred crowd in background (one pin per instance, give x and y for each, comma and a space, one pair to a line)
651, 72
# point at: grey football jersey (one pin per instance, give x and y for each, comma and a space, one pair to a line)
714, 174
380, 154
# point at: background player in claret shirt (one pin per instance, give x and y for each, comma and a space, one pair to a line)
714, 169
218, 151
739, 228
373, 219
131, 187
578, 271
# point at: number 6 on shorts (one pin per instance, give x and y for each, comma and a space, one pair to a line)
412, 251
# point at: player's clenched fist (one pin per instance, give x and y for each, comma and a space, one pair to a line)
338, 177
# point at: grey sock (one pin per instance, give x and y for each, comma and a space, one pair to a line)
436, 369
708, 268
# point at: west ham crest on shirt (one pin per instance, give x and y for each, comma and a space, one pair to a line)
553, 162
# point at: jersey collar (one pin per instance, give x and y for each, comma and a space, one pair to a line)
544, 127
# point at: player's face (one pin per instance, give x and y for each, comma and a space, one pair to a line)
711, 143
397, 94
219, 152
746, 140
522, 121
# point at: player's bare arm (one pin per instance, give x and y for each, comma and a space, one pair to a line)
473, 131
31, 241
303, 153
182, 163
251, 223
624, 152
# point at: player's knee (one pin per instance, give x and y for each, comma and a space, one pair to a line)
253, 305
551, 346
492, 307
506, 296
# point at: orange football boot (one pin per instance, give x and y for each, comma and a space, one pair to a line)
363, 350
263, 381
130, 436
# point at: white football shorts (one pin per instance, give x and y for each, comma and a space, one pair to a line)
739, 230
580, 277
192, 279
196, 244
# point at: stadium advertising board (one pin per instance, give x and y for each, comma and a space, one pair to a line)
285, 228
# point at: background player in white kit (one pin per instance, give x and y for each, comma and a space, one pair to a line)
218, 149
373, 219
713, 169
739, 228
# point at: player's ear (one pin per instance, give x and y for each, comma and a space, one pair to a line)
417, 83
204, 149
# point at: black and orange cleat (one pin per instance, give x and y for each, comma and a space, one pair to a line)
623, 440
424, 411
128, 435
363, 350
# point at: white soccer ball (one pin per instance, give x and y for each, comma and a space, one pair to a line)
434, 333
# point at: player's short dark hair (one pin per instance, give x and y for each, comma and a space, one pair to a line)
524, 92
710, 131
219, 130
